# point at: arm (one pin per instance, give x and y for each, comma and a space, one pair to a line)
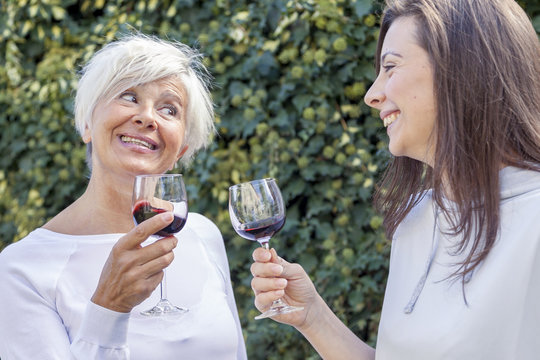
30, 327
275, 278
31, 323
128, 277
213, 242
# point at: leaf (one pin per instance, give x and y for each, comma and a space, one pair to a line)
294, 188
267, 65
58, 12
536, 23
362, 7
302, 101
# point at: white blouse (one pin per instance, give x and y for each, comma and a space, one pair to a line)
501, 319
48, 279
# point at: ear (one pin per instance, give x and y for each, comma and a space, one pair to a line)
181, 153
86, 136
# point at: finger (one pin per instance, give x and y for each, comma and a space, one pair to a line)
265, 299
261, 254
260, 285
157, 264
156, 250
266, 269
290, 270
144, 230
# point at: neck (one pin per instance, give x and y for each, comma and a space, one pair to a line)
108, 201
104, 208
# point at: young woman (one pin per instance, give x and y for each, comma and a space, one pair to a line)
75, 287
458, 90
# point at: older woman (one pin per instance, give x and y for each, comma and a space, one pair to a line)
74, 288
458, 90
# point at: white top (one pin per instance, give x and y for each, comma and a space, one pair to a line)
502, 318
48, 278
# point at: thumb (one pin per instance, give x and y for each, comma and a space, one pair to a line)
144, 230
289, 270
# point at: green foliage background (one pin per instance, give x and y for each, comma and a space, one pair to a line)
290, 76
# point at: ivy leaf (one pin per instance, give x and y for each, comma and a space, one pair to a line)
267, 65
316, 205
362, 7
294, 188
536, 23
302, 101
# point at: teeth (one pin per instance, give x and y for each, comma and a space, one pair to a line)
390, 119
131, 140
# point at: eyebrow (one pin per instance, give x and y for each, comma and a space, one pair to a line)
170, 94
390, 53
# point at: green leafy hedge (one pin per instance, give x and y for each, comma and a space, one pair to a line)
290, 77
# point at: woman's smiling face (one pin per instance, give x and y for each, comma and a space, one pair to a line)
404, 93
140, 131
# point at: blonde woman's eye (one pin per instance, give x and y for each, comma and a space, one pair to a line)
128, 97
169, 110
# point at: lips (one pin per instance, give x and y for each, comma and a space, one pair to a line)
138, 141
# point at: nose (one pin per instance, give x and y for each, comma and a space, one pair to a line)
146, 118
375, 95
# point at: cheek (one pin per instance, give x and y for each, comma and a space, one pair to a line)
176, 136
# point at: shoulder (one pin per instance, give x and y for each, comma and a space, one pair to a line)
423, 209
211, 239
519, 184
35, 262
202, 225
206, 230
39, 245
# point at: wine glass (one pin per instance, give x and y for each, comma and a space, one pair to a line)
257, 213
152, 195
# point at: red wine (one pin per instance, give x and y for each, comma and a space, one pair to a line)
144, 211
257, 233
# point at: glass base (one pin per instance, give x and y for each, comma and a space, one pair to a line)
278, 308
165, 308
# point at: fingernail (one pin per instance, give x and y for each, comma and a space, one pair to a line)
281, 282
168, 217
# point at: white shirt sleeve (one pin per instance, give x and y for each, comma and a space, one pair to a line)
103, 335
43, 335
30, 324
213, 242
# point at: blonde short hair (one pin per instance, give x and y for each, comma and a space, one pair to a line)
139, 59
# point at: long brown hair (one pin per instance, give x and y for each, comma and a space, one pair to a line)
486, 63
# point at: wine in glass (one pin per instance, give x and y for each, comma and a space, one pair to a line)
152, 195
257, 213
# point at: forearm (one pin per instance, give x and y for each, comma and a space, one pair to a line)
331, 338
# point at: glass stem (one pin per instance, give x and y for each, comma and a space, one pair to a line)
276, 303
163, 287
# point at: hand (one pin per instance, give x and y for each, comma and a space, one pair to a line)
275, 278
132, 272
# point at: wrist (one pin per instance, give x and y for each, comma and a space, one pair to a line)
108, 305
315, 314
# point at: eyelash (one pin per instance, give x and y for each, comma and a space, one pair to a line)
387, 68
133, 97
172, 109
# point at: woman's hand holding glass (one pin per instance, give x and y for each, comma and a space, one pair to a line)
132, 272
257, 212
275, 278
153, 195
